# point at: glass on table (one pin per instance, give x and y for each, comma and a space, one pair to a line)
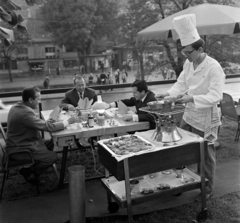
179, 171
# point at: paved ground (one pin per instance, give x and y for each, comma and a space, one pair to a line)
54, 207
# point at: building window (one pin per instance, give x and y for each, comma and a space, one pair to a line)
49, 49
70, 63
50, 52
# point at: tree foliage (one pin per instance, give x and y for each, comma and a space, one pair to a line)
79, 24
70, 22
140, 14
7, 54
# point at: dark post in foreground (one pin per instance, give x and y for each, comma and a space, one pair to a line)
77, 193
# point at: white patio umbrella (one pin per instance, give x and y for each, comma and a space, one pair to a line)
211, 19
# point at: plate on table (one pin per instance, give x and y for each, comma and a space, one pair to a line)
126, 145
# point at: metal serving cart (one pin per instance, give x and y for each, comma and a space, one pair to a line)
154, 161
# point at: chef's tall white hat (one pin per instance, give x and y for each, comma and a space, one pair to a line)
185, 26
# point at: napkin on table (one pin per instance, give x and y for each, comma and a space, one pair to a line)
122, 108
84, 103
55, 113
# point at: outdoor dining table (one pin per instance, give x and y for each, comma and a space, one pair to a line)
67, 137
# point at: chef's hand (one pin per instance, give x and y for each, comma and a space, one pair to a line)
162, 95
109, 106
185, 99
71, 107
127, 117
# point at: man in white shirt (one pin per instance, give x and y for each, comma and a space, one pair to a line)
203, 80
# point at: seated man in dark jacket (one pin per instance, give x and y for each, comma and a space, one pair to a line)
70, 101
24, 128
141, 96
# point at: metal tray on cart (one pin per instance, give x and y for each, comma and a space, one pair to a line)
160, 160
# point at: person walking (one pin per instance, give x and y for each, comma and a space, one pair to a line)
58, 71
124, 77
90, 79
46, 82
117, 76
110, 78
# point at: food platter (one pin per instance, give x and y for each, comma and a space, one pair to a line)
127, 145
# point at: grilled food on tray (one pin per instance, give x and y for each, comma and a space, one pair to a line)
127, 144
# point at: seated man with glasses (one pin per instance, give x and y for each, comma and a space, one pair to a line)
200, 86
140, 99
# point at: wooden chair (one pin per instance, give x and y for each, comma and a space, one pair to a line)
229, 111
11, 164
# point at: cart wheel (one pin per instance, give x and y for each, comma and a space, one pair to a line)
113, 207
202, 216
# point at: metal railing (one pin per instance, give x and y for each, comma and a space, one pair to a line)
96, 87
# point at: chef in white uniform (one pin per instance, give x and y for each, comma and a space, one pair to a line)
200, 85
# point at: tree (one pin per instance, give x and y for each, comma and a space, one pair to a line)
105, 31
149, 12
79, 24
71, 23
137, 15
9, 53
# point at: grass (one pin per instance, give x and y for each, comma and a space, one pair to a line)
220, 210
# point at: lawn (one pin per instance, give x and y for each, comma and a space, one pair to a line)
220, 210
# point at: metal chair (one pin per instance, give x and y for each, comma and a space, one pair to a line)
229, 111
10, 164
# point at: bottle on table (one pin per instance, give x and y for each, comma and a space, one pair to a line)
90, 120
101, 119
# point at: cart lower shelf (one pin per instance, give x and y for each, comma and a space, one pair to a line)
148, 187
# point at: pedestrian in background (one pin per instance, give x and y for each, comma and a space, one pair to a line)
58, 71
110, 78
46, 82
117, 76
90, 79
98, 80
124, 77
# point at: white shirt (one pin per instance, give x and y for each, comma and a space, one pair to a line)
205, 84
80, 94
